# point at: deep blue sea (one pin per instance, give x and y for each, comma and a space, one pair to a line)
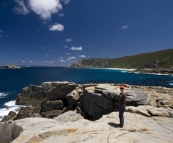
13, 80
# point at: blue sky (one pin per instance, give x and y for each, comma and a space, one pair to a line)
59, 32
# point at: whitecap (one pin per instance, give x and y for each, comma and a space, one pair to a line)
10, 103
170, 83
11, 107
3, 95
5, 111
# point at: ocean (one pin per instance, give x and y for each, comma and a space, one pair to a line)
13, 80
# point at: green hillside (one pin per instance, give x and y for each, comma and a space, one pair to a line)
159, 59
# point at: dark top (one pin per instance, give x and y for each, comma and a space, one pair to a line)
122, 100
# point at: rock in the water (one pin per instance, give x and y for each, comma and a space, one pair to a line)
10, 117
52, 105
58, 90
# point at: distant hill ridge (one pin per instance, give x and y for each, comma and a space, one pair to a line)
158, 59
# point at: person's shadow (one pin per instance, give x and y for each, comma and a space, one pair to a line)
114, 125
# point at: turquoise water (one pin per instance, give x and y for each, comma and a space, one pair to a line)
13, 80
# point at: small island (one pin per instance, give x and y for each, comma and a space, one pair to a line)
10, 66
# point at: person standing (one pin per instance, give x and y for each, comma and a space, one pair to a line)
122, 105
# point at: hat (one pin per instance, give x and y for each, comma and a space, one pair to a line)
122, 87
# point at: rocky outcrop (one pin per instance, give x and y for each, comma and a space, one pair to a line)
10, 117
32, 95
91, 101
153, 71
58, 90
149, 111
10, 67
90, 63
137, 128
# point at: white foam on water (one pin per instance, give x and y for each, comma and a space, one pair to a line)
10, 103
170, 83
3, 95
11, 107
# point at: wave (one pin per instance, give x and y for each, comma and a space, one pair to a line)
10, 107
3, 95
10, 103
170, 83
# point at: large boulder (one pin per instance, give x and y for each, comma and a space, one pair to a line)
58, 90
95, 104
27, 112
32, 95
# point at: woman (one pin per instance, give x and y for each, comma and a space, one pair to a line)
122, 105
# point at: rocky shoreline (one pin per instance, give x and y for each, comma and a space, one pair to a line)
67, 107
153, 71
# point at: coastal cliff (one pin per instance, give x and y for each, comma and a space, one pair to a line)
155, 60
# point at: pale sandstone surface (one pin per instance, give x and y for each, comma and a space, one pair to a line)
137, 128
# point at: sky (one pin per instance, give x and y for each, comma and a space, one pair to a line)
60, 32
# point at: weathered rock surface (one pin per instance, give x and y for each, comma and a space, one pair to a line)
137, 128
58, 90
52, 105
150, 111
27, 112
32, 95
92, 101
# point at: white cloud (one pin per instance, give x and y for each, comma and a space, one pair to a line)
67, 53
89, 45
51, 51
61, 14
125, 27
66, 1
62, 61
1, 31
65, 46
23, 61
21, 8
47, 54
68, 39
56, 27
71, 58
82, 56
44, 8
76, 48
1, 36
31, 61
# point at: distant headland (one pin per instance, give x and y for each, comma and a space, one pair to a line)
10, 66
